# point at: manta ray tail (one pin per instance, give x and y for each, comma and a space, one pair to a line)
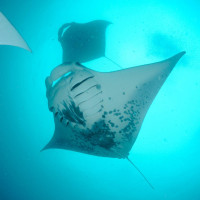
140, 173
114, 62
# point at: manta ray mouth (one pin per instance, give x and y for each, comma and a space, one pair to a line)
83, 100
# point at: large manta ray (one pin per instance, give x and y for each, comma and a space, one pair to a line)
102, 113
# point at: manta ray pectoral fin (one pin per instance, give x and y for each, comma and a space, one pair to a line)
169, 63
56, 142
9, 35
47, 146
176, 57
52, 144
61, 137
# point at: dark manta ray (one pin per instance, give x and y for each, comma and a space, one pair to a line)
83, 42
102, 113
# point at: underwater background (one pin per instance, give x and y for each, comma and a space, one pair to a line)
168, 146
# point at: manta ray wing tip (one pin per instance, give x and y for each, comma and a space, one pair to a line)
182, 53
174, 59
179, 55
45, 147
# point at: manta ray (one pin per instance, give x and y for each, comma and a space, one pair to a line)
83, 42
9, 35
102, 113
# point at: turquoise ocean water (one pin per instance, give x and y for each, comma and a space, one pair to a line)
168, 146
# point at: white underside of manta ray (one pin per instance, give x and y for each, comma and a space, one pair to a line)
9, 35
102, 113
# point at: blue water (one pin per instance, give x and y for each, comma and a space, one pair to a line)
167, 149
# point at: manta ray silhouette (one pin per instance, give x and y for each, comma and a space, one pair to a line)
83, 42
102, 113
9, 35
